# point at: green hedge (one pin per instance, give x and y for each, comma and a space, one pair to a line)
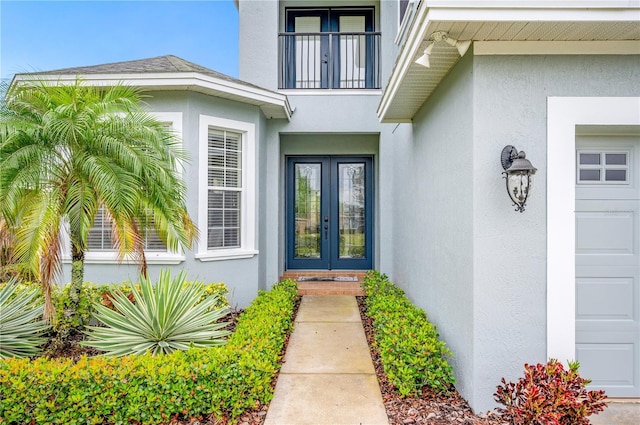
225, 380
410, 351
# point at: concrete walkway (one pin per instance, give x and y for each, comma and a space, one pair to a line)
327, 376
618, 413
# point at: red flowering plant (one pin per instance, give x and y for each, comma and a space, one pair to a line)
549, 395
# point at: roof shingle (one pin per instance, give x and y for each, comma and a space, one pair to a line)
159, 64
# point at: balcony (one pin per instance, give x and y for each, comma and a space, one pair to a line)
329, 60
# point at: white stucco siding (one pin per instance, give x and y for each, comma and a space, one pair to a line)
258, 43
478, 267
433, 215
510, 287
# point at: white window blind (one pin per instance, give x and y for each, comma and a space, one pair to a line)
224, 181
100, 236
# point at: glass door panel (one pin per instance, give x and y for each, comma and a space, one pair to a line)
307, 210
308, 52
351, 210
352, 51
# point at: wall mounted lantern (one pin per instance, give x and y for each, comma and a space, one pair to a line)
518, 173
462, 46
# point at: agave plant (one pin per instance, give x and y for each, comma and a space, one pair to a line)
160, 319
21, 326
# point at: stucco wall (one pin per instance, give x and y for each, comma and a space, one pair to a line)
258, 42
510, 101
475, 265
432, 214
242, 276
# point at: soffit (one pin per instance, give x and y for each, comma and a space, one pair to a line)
410, 84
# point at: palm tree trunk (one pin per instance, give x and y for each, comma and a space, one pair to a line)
77, 274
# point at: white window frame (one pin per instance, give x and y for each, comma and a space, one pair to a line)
247, 247
564, 115
405, 23
152, 257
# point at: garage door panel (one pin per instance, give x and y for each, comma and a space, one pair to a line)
605, 232
610, 366
607, 220
606, 299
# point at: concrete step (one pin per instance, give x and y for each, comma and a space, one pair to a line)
318, 282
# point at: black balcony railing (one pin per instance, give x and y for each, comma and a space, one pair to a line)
329, 60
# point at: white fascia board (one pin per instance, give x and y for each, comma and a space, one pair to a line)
417, 33
532, 4
253, 95
572, 15
622, 47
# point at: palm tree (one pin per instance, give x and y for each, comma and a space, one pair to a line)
67, 150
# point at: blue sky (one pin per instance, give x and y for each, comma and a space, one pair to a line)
47, 35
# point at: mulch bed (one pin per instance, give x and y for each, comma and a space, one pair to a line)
430, 407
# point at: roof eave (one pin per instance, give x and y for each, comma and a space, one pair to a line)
427, 19
268, 101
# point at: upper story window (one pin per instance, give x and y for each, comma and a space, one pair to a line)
226, 194
331, 48
406, 9
403, 9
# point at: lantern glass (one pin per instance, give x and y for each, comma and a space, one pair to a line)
519, 187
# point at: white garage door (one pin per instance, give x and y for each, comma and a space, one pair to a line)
608, 262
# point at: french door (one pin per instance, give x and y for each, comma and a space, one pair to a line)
329, 213
330, 48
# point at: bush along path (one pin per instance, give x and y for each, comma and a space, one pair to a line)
211, 385
415, 377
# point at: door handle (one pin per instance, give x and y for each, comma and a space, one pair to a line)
326, 232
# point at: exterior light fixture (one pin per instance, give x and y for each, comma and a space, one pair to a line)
518, 173
462, 46
424, 59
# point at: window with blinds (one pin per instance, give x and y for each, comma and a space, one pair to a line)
99, 239
224, 189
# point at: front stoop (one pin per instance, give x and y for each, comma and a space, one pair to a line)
320, 287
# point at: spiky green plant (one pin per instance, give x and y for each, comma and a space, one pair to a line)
160, 319
20, 324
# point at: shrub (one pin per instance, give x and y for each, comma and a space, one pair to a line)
549, 394
411, 353
224, 380
161, 319
20, 322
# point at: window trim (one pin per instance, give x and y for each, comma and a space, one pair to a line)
405, 23
247, 198
152, 257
